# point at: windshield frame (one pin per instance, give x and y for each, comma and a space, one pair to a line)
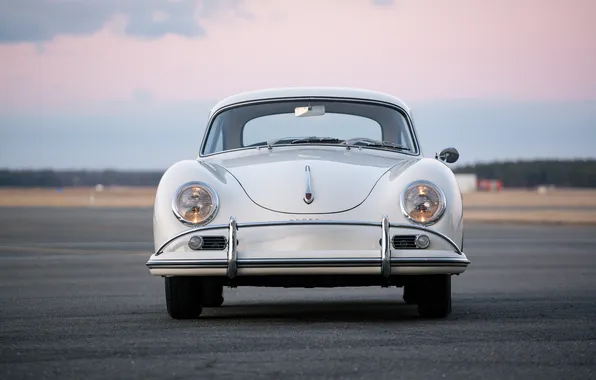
409, 120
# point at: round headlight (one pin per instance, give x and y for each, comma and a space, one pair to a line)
423, 203
195, 203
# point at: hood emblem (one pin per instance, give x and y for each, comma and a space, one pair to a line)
308, 195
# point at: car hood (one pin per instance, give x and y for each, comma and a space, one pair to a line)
340, 179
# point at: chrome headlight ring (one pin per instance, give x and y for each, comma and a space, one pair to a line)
207, 193
431, 187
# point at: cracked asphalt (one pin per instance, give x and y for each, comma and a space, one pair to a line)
76, 301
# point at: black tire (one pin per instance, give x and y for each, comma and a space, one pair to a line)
212, 294
434, 300
183, 297
410, 294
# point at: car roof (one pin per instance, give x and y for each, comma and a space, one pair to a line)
293, 92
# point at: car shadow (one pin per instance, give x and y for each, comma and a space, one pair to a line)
315, 311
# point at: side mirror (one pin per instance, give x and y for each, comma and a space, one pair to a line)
449, 155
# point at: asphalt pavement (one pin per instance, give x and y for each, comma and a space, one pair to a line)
76, 301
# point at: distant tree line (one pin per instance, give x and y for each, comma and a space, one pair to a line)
571, 173
83, 178
568, 173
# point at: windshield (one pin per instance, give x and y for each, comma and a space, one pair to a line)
309, 121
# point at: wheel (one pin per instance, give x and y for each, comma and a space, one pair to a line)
410, 294
212, 294
434, 297
183, 297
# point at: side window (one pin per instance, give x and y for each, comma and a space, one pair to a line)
406, 137
214, 142
218, 142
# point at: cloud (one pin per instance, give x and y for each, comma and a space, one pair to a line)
41, 20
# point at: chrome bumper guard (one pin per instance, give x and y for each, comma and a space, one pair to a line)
385, 253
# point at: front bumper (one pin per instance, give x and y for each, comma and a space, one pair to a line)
383, 261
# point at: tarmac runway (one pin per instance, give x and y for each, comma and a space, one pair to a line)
76, 301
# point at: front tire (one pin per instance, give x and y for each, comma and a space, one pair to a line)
410, 295
212, 294
434, 296
183, 297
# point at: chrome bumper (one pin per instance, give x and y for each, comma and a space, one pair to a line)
384, 260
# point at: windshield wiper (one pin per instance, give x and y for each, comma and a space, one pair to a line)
301, 140
270, 143
358, 141
374, 143
315, 139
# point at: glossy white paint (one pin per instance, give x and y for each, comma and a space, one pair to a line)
298, 92
340, 179
259, 185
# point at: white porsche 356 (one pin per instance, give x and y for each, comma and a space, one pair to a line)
309, 187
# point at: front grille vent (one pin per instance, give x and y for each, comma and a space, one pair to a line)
404, 242
214, 243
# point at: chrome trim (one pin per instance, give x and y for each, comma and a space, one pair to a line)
200, 263
232, 263
308, 191
307, 223
385, 248
437, 215
213, 196
347, 262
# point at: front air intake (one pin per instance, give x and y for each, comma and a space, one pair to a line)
214, 243
404, 242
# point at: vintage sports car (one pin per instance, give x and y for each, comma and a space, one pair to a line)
309, 187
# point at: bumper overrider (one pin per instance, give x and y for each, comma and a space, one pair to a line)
386, 262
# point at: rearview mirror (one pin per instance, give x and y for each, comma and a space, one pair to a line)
449, 155
309, 111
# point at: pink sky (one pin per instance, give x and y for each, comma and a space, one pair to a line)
416, 49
